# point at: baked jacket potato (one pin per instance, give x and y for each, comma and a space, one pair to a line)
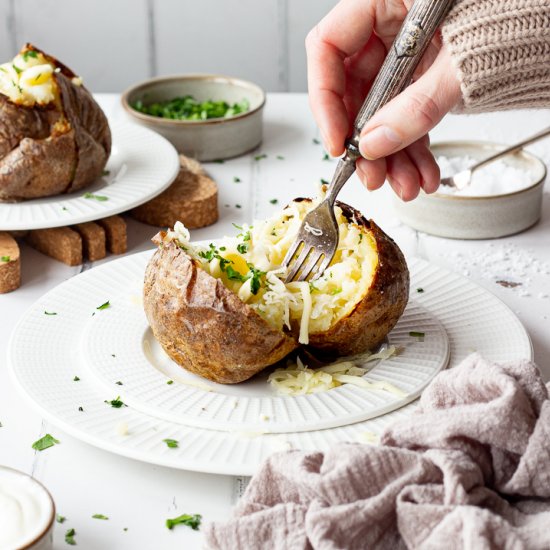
224, 313
55, 138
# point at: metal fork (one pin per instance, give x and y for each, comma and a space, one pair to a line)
317, 238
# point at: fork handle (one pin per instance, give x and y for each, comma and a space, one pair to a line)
416, 32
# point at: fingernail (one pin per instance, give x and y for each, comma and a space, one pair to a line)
379, 143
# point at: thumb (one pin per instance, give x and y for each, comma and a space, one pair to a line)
414, 112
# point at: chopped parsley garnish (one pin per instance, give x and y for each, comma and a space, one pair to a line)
219, 161
169, 382
80, 409
192, 521
242, 248
280, 157
100, 198
105, 172
29, 53
324, 181
119, 383
238, 206
188, 108
236, 179
316, 141
99, 516
260, 157
104, 306
5, 258
235, 226
274, 201
76, 379
69, 537
59, 518
116, 403
255, 278
65, 209
44, 442
50, 313
416, 334
171, 443
17, 69
326, 157
420, 290
233, 274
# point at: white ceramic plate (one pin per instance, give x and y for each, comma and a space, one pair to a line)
473, 319
142, 165
119, 348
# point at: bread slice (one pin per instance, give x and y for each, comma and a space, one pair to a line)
191, 199
115, 233
10, 263
60, 243
93, 240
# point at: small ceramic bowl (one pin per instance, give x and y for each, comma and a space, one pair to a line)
485, 217
24, 497
212, 139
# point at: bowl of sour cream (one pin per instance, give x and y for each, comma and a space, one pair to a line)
27, 512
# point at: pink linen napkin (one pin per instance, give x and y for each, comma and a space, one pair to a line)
470, 469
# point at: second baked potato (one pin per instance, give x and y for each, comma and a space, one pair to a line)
55, 138
224, 312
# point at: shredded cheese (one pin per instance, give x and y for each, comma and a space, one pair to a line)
250, 266
298, 379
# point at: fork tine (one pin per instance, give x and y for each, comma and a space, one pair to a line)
291, 251
314, 259
324, 264
298, 263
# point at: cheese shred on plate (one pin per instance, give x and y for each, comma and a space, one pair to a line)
298, 379
250, 266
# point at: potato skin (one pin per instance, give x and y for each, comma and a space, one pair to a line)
202, 325
377, 313
47, 150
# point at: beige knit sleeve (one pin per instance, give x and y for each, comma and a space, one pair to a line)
501, 49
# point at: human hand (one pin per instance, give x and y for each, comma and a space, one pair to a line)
345, 52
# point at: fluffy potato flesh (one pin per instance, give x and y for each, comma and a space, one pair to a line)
54, 138
350, 309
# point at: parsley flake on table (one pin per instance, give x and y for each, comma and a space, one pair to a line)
119, 383
219, 161
116, 403
169, 382
280, 157
5, 258
192, 521
50, 313
104, 306
326, 156
238, 206
59, 518
99, 198
80, 409
316, 141
324, 182
69, 537
236, 179
260, 157
416, 334
99, 516
171, 443
44, 442
420, 290
76, 379
274, 201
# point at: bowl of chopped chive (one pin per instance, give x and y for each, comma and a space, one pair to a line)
207, 117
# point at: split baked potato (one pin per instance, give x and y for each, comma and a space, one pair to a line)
223, 311
55, 138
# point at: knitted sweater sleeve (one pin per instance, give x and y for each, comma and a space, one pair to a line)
501, 49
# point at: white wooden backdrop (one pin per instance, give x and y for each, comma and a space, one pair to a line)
115, 43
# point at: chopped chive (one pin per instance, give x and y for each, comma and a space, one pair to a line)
260, 157
99, 516
192, 521
105, 305
100, 198
416, 334
50, 313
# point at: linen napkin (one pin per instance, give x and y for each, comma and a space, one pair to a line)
470, 469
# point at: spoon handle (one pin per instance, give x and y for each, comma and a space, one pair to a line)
511, 149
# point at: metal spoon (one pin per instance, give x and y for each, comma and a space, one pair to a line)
463, 179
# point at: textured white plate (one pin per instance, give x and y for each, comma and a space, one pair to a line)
253, 406
44, 357
142, 165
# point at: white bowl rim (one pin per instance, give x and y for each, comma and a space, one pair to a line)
494, 145
231, 80
51, 520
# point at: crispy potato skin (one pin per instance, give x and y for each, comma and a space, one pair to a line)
53, 149
209, 331
202, 325
377, 313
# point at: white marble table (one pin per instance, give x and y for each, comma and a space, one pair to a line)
86, 481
